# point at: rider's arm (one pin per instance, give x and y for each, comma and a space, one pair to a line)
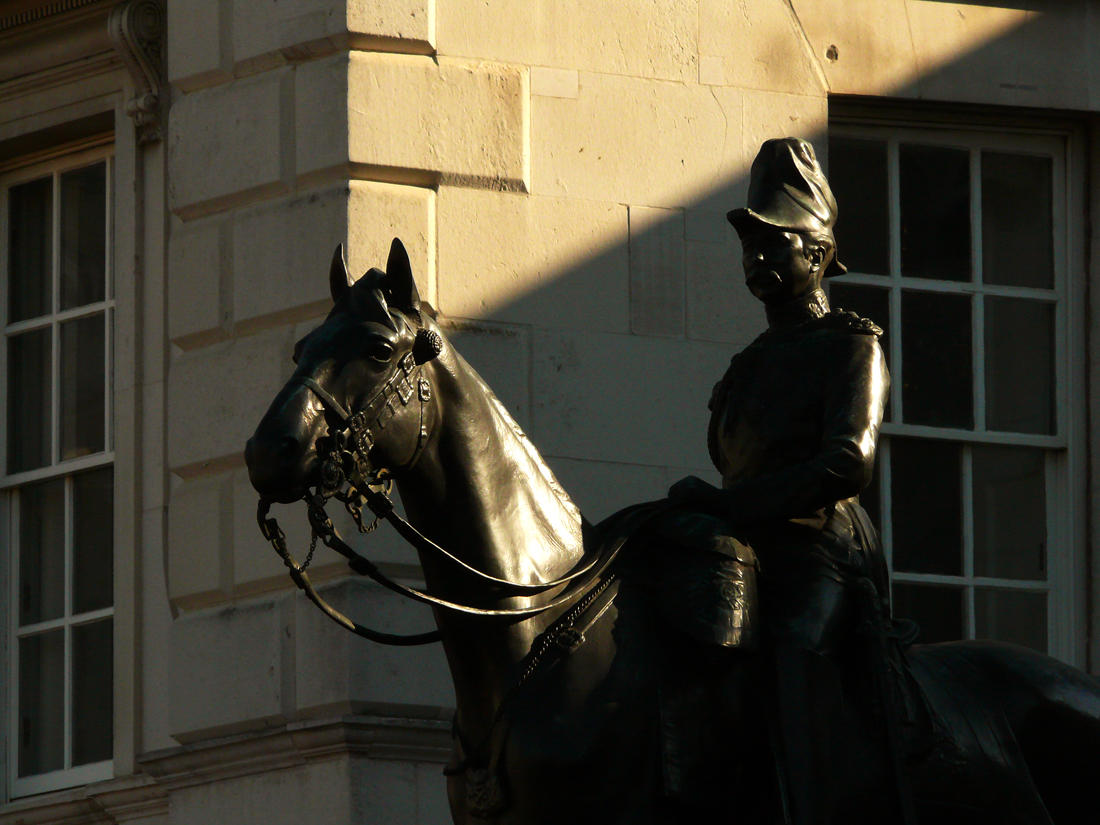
843, 466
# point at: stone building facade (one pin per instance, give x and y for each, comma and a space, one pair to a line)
559, 171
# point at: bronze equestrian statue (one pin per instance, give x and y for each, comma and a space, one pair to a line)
720, 656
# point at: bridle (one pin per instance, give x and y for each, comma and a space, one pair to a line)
348, 475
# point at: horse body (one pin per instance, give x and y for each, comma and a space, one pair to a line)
586, 737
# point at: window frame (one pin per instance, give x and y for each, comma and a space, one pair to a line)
54, 165
975, 128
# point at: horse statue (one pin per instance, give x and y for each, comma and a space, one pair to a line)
569, 676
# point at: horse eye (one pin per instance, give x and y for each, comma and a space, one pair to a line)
380, 351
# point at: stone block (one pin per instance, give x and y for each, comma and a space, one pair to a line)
217, 395
682, 142
194, 277
711, 225
195, 537
225, 141
623, 399
264, 27
432, 805
194, 42
318, 791
554, 82
226, 671
282, 250
756, 45
656, 271
642, 38
256, 565
385, 791
268, 31
601, 488
380, 212
409, 116
549, 262
334, 670
773, 114
870, 40
501, 355
1010, 56
321, 114
719, 306
412, 21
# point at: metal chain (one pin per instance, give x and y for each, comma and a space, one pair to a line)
559, 629
309, 555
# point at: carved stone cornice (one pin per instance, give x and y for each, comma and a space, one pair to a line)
40, 12
137, 29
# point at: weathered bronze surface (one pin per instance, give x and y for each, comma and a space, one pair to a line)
723, 655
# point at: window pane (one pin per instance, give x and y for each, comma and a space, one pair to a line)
1019, 370
936, 359
1010, 514
83, 235
937, 609
42, 703
29, 278
1011, 616
29, 400
41, 551
93, 530
1017, 221
93, 666
82, 413
926, 495
935, 212
857, 173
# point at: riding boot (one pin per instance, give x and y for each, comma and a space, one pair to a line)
808, 705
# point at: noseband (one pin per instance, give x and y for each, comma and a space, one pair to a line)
348, 475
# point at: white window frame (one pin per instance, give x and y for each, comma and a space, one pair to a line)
1065, 453
10, 484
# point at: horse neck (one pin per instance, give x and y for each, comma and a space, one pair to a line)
482, 491
484, 487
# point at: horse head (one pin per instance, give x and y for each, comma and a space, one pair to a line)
358, 382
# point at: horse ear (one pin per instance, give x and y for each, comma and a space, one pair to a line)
338, 281
399, 279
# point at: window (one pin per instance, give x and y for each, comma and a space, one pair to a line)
56, 477
958, 243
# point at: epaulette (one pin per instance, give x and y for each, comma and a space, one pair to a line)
851, 322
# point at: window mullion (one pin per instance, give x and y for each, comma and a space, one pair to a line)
977, 301
968, 536
14, 727
55, 330
5, 235
893, 184
68, 663
108, 313
886, 523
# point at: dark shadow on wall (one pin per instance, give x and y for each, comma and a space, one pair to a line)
614, 392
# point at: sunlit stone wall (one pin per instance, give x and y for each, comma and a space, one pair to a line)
559, 171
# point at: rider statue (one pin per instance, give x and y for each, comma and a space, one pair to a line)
794, 423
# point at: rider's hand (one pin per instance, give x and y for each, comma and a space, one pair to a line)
694, 492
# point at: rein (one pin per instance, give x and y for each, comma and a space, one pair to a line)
347, 475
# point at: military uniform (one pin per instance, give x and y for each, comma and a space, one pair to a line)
794, 423
793, 429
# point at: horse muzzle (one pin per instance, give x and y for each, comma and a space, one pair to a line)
279, 468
